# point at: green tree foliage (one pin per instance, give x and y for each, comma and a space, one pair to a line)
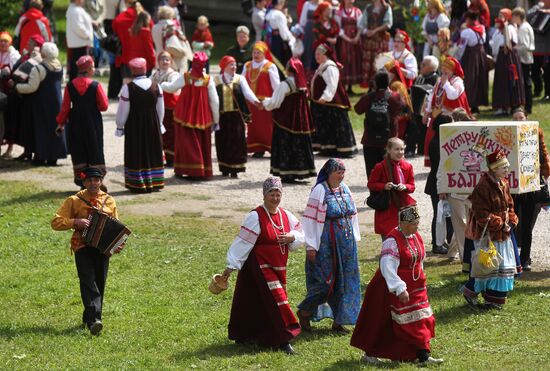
9, 13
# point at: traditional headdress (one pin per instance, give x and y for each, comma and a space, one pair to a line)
332, 165
198, 64
409, 214
84, 63
263, 48
328, 51
403, 36
452, 64
91, 172
138, 66
226, 61
6, 37
271, 183
295, 66
38, 40
320, 9
507, 13
497, 159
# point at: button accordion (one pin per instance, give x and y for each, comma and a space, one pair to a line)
105, 233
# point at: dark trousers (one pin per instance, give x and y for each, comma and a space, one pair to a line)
72, 56
450, 231
540, 80
527, 210
372, 157
528, 83
414, 136
92, 267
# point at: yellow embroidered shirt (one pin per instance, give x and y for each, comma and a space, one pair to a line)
74, 208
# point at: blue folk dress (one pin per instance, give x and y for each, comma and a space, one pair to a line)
332, 281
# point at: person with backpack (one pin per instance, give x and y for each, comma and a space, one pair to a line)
381, 107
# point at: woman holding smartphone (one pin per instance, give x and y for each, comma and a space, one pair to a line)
392, 174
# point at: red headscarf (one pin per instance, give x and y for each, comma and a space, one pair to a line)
507, 13
226, 61
478, 28
401, 35
453, 65
320, 9
297, 68
198, 64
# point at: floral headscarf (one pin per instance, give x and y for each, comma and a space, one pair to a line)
332, 165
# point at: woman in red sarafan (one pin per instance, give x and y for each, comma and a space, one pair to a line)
349, 43
400, 185
196, 115
260, 312
396, 320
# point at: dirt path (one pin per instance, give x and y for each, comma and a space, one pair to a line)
230, 199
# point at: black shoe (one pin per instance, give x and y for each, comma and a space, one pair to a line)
37, 162
441, 250
472, 302
258, 154
24, 157
491, 306
51, 163
234, 175
474, 109
288, 349
225, 173
526, 266
96, 327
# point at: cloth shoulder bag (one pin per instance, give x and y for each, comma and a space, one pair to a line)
485, 257
381, 200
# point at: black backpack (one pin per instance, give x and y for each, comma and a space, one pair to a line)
378, 123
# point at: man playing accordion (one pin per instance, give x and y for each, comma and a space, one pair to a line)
91, 264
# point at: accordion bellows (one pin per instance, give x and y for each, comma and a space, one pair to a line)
105, 233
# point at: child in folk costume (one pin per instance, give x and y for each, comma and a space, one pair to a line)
508, 89
331, 230
472, 56
166, 73
291, 151
447, 95
374, 23
349, 43
435, 19
196, 115
202, 40
139, 118
83, 101
404, 62
307, 18
260, 312
325, 28
396, 320
492, 214
263, 78
329, 107
233, 92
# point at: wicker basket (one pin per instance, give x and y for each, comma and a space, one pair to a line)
218, 284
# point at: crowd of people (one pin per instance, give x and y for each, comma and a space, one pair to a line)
288, 93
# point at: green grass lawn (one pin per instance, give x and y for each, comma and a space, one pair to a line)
158, 313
